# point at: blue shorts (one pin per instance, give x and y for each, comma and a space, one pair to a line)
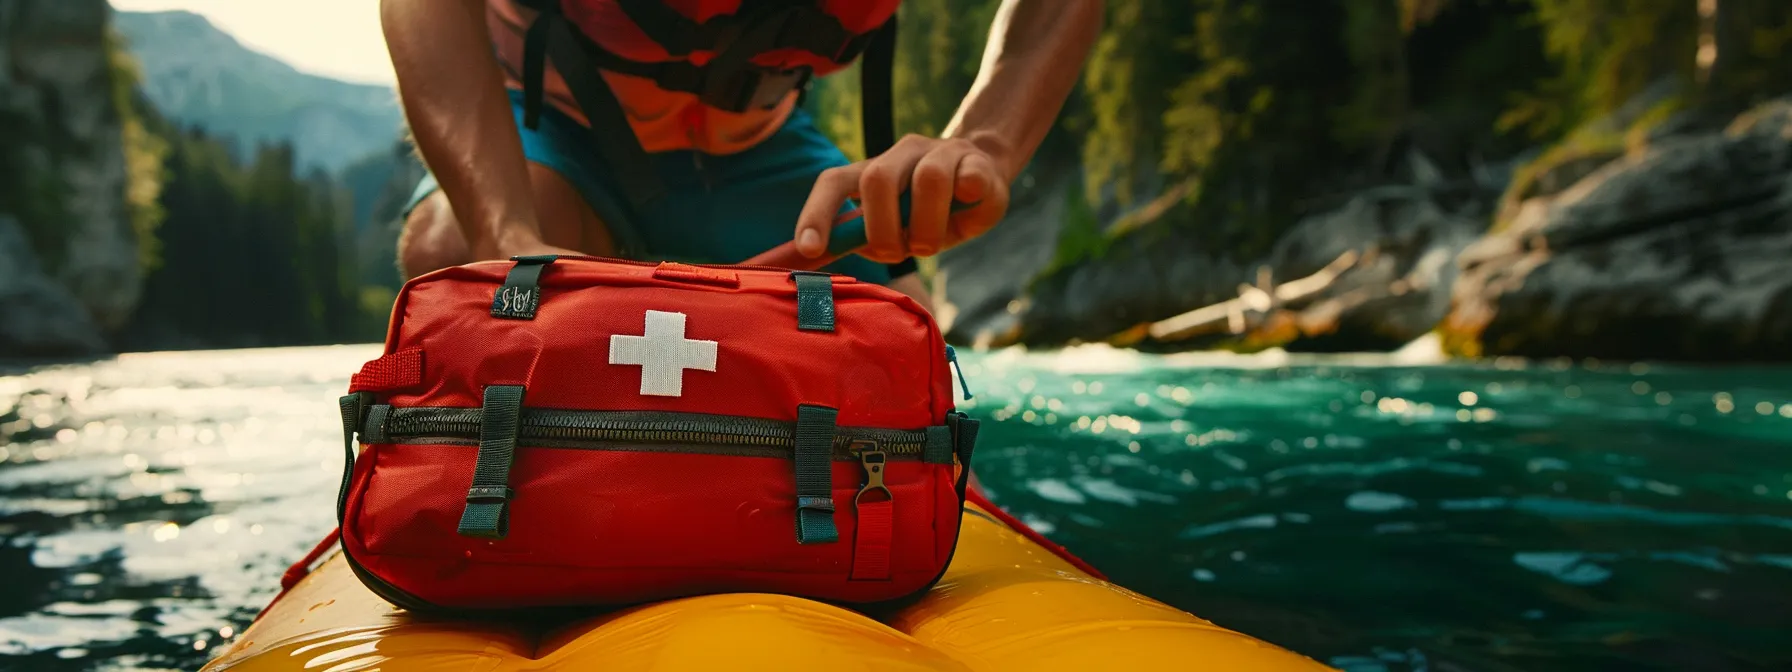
718, 209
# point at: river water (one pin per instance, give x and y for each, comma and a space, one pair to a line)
1373, 513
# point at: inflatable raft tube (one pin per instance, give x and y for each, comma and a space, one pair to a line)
1007, 602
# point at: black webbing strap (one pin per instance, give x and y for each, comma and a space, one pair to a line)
678, 34
353, 407
535, 53
939, 448
520, 294
796, 25
814, 475
877, 102
553, 37
814, 300
964, 435
488, 500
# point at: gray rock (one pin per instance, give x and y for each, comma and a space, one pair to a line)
1681, 251
1407, 239
65, 148
42, 318
977, 285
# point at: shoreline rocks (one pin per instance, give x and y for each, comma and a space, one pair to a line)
62, 167
1679, 251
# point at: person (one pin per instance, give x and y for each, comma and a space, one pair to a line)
731, 172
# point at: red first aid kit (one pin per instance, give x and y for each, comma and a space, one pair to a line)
557, 431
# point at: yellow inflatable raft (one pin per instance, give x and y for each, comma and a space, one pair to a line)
1005, 603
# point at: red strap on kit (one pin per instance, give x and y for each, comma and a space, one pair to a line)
871, 545
301, 569
976, 497
395, 371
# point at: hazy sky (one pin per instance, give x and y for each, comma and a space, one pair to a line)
333, 38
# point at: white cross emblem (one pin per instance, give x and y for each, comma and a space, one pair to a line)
663, 353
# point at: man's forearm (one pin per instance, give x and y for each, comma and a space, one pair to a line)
1035, 56
460, 118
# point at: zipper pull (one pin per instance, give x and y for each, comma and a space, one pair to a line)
952, 359
873, 461
876, 521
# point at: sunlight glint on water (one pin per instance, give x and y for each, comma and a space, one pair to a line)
1376, 512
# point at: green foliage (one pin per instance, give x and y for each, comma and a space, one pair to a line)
31, 192
1131, 83
1375, 39
1254, 112
1753, 38
252, 255
1606, 52
143, 152
1081, 236
939, 46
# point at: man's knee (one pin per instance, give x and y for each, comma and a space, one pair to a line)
430, 239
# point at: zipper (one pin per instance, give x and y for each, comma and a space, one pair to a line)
643, 430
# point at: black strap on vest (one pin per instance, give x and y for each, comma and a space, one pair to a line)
799, 25
877, 102
553, 37
488, 501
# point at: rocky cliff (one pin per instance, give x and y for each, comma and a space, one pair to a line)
69, 258
1677, 248
1681, 249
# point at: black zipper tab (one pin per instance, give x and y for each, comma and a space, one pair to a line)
952, 359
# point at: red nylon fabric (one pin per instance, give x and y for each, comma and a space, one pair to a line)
608, 25
672, 270
612, 527
871, 547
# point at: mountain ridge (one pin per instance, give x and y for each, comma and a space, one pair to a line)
200, 75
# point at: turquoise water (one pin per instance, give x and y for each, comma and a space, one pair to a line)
1374, 514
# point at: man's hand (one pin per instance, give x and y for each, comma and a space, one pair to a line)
518, 241
936, 172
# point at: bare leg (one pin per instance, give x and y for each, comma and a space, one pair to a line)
432, 238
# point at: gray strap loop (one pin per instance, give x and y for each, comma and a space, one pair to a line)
814, 301
488, 501
814, 475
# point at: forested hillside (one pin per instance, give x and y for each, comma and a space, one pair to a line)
1205, 132
248, 254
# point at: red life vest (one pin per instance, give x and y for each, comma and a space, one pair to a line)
821, 35
734, 55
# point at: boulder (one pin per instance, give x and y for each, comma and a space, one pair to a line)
1406, 239
42, 318
1679, 250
